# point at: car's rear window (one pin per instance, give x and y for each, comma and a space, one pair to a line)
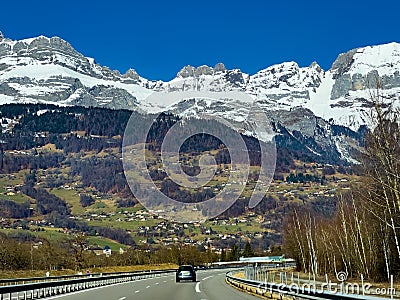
185, 268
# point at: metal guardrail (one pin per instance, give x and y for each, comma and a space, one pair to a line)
269, 288
14, 281
55, 287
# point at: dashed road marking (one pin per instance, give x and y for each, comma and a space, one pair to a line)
198, 288
123, 298
137, 292
208, 277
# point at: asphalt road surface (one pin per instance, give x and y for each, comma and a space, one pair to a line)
210, 285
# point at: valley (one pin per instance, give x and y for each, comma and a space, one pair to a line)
70, 163
82, 186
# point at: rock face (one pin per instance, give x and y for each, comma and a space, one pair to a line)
285, 84
357, 72
352, 72
303, 100
205, 78
50, 70
190, 71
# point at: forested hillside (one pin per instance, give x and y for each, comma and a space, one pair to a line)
62, 173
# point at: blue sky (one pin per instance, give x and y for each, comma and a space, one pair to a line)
158, 38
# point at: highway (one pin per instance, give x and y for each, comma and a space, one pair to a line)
210, 285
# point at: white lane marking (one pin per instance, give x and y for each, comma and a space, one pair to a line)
101, 287
157, 283
164, 281
198, 288
123, 298
147, 287
208, 277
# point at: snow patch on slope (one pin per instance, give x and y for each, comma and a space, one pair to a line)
383, 58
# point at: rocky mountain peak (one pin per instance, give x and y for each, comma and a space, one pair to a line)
43, 69
41, 48
274, 75
343, 63
132, 74
190, 71
219, 67
358, 69
204, 70
362, 60
314, 65
186, 71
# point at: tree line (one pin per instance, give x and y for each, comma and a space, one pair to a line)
362, 236
30, 252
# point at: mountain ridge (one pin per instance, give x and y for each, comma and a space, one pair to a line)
50, 70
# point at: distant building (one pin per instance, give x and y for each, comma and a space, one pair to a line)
97, 250
107, 250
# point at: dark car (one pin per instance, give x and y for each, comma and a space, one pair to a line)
201, 267
186, 272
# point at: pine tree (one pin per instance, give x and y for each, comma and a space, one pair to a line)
223, 255
234, 254
248, 251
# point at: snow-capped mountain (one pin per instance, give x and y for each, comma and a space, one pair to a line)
49, 70
341, 95
308, 100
